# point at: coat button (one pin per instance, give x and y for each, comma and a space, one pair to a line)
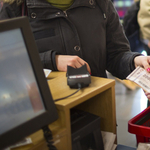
58, 13
91, 2
77, 48
33, 15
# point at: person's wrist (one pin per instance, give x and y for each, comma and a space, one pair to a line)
135, 60
54, 60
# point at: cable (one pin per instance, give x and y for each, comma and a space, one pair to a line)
49, 138
79, 88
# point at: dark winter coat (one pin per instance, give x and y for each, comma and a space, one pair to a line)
81, 30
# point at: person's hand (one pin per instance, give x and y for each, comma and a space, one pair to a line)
62, 61
143, 61
147, 95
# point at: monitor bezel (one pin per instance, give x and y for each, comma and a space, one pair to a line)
50, 115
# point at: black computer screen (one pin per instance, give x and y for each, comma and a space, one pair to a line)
26, 103
20, 96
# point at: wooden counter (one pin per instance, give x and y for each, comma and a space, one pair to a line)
98, 99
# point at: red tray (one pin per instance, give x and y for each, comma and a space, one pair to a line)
140, 125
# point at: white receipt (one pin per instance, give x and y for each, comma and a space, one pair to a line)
47, 72
141, 77
24, 142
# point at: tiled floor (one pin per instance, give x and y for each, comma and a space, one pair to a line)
128, 104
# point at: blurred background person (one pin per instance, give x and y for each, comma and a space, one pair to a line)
144, 24
1, 4
131, 27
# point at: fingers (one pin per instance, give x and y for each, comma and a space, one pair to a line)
62, 61
147, 94
143, 61
77, 62
80, 62
146, 65
88, 68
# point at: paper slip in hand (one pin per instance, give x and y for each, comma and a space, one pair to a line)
141, 77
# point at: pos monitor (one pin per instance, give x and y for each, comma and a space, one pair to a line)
26, 104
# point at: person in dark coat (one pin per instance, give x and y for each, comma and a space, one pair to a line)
78, 32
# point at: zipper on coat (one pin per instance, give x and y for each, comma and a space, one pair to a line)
65, 13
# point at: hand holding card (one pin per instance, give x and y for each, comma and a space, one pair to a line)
141, 77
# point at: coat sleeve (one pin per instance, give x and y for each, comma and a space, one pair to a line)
13, 10
120, 60
10, 11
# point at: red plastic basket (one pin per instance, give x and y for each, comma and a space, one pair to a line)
140, 125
